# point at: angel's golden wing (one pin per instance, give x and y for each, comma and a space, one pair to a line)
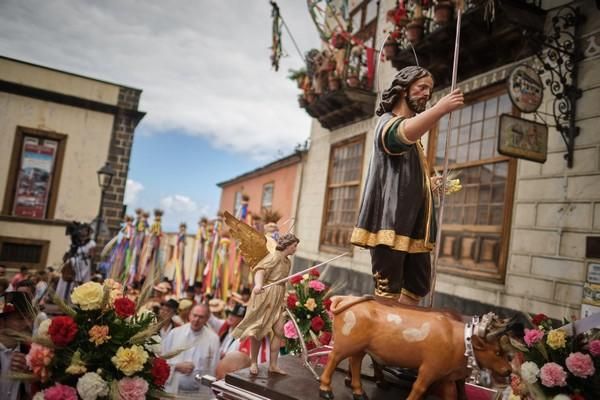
252, 243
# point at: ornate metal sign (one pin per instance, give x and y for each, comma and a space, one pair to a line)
525, 88
522, 138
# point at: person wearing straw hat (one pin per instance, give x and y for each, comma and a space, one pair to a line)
396, 221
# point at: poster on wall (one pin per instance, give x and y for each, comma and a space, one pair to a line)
522, 138
35, 177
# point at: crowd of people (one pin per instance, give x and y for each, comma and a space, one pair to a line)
196, 322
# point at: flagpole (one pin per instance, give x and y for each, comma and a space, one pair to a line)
442, 190
305, 270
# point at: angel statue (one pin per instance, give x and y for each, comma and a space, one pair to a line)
265, 312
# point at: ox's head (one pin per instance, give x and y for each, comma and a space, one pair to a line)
487, 344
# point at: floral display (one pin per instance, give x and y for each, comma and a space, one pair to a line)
552, 363
100, 349
310, 308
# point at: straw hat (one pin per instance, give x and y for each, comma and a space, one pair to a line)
216, 305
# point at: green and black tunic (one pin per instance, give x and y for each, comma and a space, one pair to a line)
397, 203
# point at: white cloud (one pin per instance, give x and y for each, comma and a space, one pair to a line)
180, 208
132, 190
203, 66
178, 203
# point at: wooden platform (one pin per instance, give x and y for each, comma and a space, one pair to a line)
300, 384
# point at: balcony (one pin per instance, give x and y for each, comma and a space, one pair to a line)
341, 107
337, 85
484, 45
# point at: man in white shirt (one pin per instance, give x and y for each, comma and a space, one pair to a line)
228, 342
200, 354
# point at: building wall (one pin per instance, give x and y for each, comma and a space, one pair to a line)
97, 118
555, 208
88, 138
285, 190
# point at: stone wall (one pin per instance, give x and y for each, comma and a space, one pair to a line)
125, 122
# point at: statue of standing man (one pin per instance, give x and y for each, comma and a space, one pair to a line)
396, 219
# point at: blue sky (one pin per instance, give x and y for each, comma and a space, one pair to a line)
215, 108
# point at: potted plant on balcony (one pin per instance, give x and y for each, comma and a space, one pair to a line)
442, 12
390, 47
333, 81
298, 76
352, 79
416, 26
339, 40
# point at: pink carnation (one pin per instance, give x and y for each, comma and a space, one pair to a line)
289, 330
580, 364
39, 359
317, 286
60, 392
133, 389
552, 375
532, 336
595, 347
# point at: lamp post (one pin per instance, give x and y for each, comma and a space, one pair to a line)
105, 175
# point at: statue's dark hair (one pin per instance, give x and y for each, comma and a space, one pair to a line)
400, 84
286, 241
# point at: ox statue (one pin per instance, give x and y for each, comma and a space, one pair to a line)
441, 347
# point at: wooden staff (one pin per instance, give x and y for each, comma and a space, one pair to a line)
305, 270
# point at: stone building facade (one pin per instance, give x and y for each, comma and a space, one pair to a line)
542, 220
57, 129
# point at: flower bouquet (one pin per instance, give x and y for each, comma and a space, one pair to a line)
554, 364
310, 308
101, 348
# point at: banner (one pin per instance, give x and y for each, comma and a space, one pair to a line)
35, 177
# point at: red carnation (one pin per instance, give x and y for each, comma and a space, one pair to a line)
62, 330
124, 307
291, 301
327, 304
538, 319
296, 280
310, 345
160, 371
325, 338
315, 273
317, 323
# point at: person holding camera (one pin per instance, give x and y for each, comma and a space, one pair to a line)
77, 267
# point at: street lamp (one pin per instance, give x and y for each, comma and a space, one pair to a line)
105, 175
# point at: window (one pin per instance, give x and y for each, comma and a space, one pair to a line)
267, 196
16, 252
475, 226
34, 174
237, 202
343, 193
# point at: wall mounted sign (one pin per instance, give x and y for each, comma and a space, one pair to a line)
522, 138
525, 88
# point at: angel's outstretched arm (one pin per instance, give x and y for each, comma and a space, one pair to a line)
259, 277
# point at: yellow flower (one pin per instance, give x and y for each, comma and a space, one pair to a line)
99, 334
130, 360
557, 339
77, 366
88, 296
310, 304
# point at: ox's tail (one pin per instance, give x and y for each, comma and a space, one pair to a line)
342, 303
